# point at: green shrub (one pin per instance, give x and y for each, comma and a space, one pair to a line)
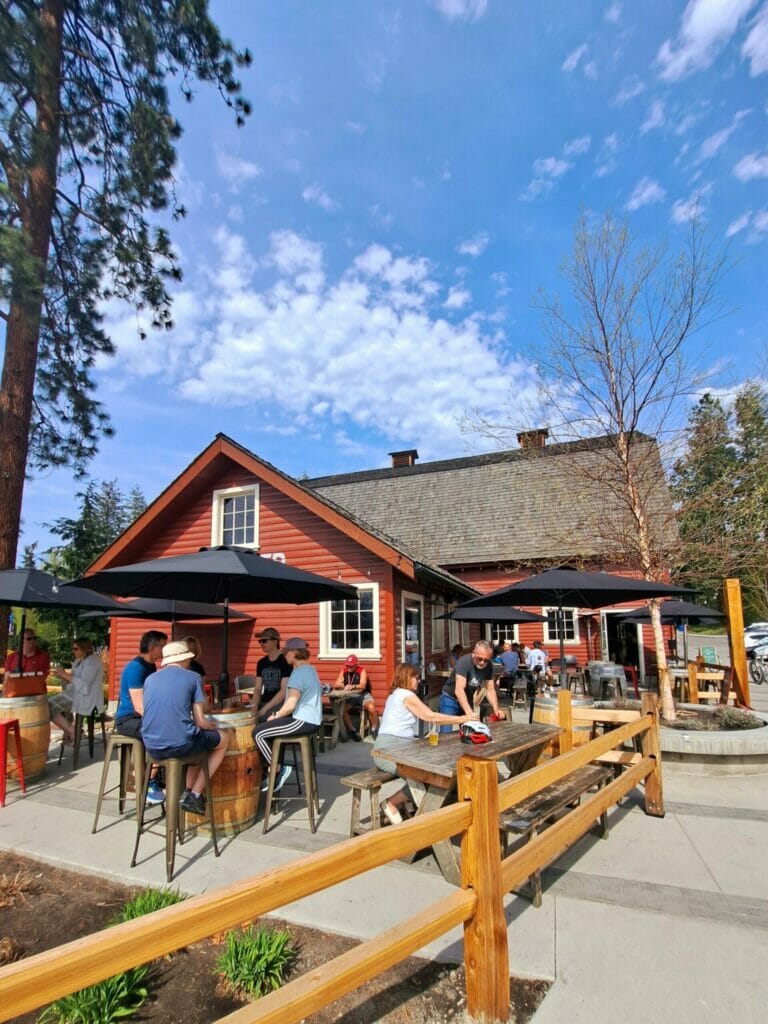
254, 961
147, 902
115, 999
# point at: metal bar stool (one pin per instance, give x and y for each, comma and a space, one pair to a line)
129, 748
91, 720
11, 724
174, 814
305, 746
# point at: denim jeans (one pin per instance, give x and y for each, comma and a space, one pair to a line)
449, 706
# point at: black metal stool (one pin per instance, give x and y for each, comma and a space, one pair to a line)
174, 814
130, 748
91, 720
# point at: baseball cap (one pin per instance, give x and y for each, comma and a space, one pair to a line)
270, 633
351, 661
295, 643
176, 651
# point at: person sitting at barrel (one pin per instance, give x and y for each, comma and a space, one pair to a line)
353, 679
26, 670
82, 690
402, 711
173, 723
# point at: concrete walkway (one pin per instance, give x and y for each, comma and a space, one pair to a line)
668, 919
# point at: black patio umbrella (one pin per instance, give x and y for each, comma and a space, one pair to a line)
493, 613
167, 610
221, 575
33, 588
565, 586
674, 613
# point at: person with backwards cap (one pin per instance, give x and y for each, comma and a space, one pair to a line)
300, 714
353, 679
173, 723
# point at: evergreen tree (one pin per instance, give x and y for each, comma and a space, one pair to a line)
87, 150
751, 518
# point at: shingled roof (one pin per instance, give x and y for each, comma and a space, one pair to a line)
521, 505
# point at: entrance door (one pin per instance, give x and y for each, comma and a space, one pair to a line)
413, 630
620, 642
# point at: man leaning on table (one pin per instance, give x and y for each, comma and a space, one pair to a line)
174, 725
472, 673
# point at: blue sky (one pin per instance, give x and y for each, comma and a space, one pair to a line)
361, 259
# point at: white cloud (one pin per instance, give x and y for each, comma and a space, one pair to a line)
754, 165
474, 246
546, 171
235, 170
759, 226
607, 167
630, 88
645, 192
716, 141
351, 328
461, 10
613, 13
606, 158
685, 210
590, 69
755, 47
457, 298
705, 28
654, 118
578, 146
739, 224
571, 62
611, 142
315, 195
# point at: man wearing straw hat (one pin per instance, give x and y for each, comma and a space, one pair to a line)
174, 725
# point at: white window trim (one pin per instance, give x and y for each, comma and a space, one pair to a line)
515, 638
334, 654
438, 608
554, 640
216, 513
454, 629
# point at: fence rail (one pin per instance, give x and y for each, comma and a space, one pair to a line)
478, 905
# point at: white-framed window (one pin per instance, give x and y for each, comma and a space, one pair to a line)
438, 626
235, 518
570, 626
351, 626
499, 632
453, 630
465, 634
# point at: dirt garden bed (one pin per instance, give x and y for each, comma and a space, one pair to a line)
43, 906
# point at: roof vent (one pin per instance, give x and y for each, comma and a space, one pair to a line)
528, 439
406, 458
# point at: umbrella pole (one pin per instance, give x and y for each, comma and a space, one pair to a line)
685, 640
224, 678
561, 631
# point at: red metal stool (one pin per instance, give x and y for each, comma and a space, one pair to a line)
5, 728
631, 674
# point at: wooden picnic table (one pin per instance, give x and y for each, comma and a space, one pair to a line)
338, 700
431, 771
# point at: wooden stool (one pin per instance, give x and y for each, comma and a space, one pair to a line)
371, 781
330, 722
305, 747
91, 720
174, 814
5, 728
129, 748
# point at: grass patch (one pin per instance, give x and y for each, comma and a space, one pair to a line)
147, 902
115, 999
255, 961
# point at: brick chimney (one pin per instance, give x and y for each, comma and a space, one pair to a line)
406, 458
528, 439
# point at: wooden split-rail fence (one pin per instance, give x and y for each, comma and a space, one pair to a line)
477, 904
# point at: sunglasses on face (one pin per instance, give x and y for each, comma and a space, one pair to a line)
480, 658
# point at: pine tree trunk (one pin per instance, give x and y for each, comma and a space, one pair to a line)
23, 328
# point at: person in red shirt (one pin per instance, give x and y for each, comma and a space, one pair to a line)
33, 657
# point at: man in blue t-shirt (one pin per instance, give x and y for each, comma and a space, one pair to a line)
130, 703
173, 723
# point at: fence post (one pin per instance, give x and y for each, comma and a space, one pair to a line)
654, 790
486, 957
565, 720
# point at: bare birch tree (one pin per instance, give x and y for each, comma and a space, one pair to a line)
616, 364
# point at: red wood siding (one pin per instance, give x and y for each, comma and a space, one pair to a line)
307, 543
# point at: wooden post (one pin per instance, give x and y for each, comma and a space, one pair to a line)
693, 683
565, 720
486, 957
654, 790
735, 619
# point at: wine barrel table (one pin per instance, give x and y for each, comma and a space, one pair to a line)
545, 710
35, 726
236, 786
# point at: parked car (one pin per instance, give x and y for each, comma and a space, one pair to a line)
758, 663
756, 627
751, 640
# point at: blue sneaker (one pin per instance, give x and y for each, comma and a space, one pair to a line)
282, 777
155, 795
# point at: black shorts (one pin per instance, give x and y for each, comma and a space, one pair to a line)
129, 725
205, 740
